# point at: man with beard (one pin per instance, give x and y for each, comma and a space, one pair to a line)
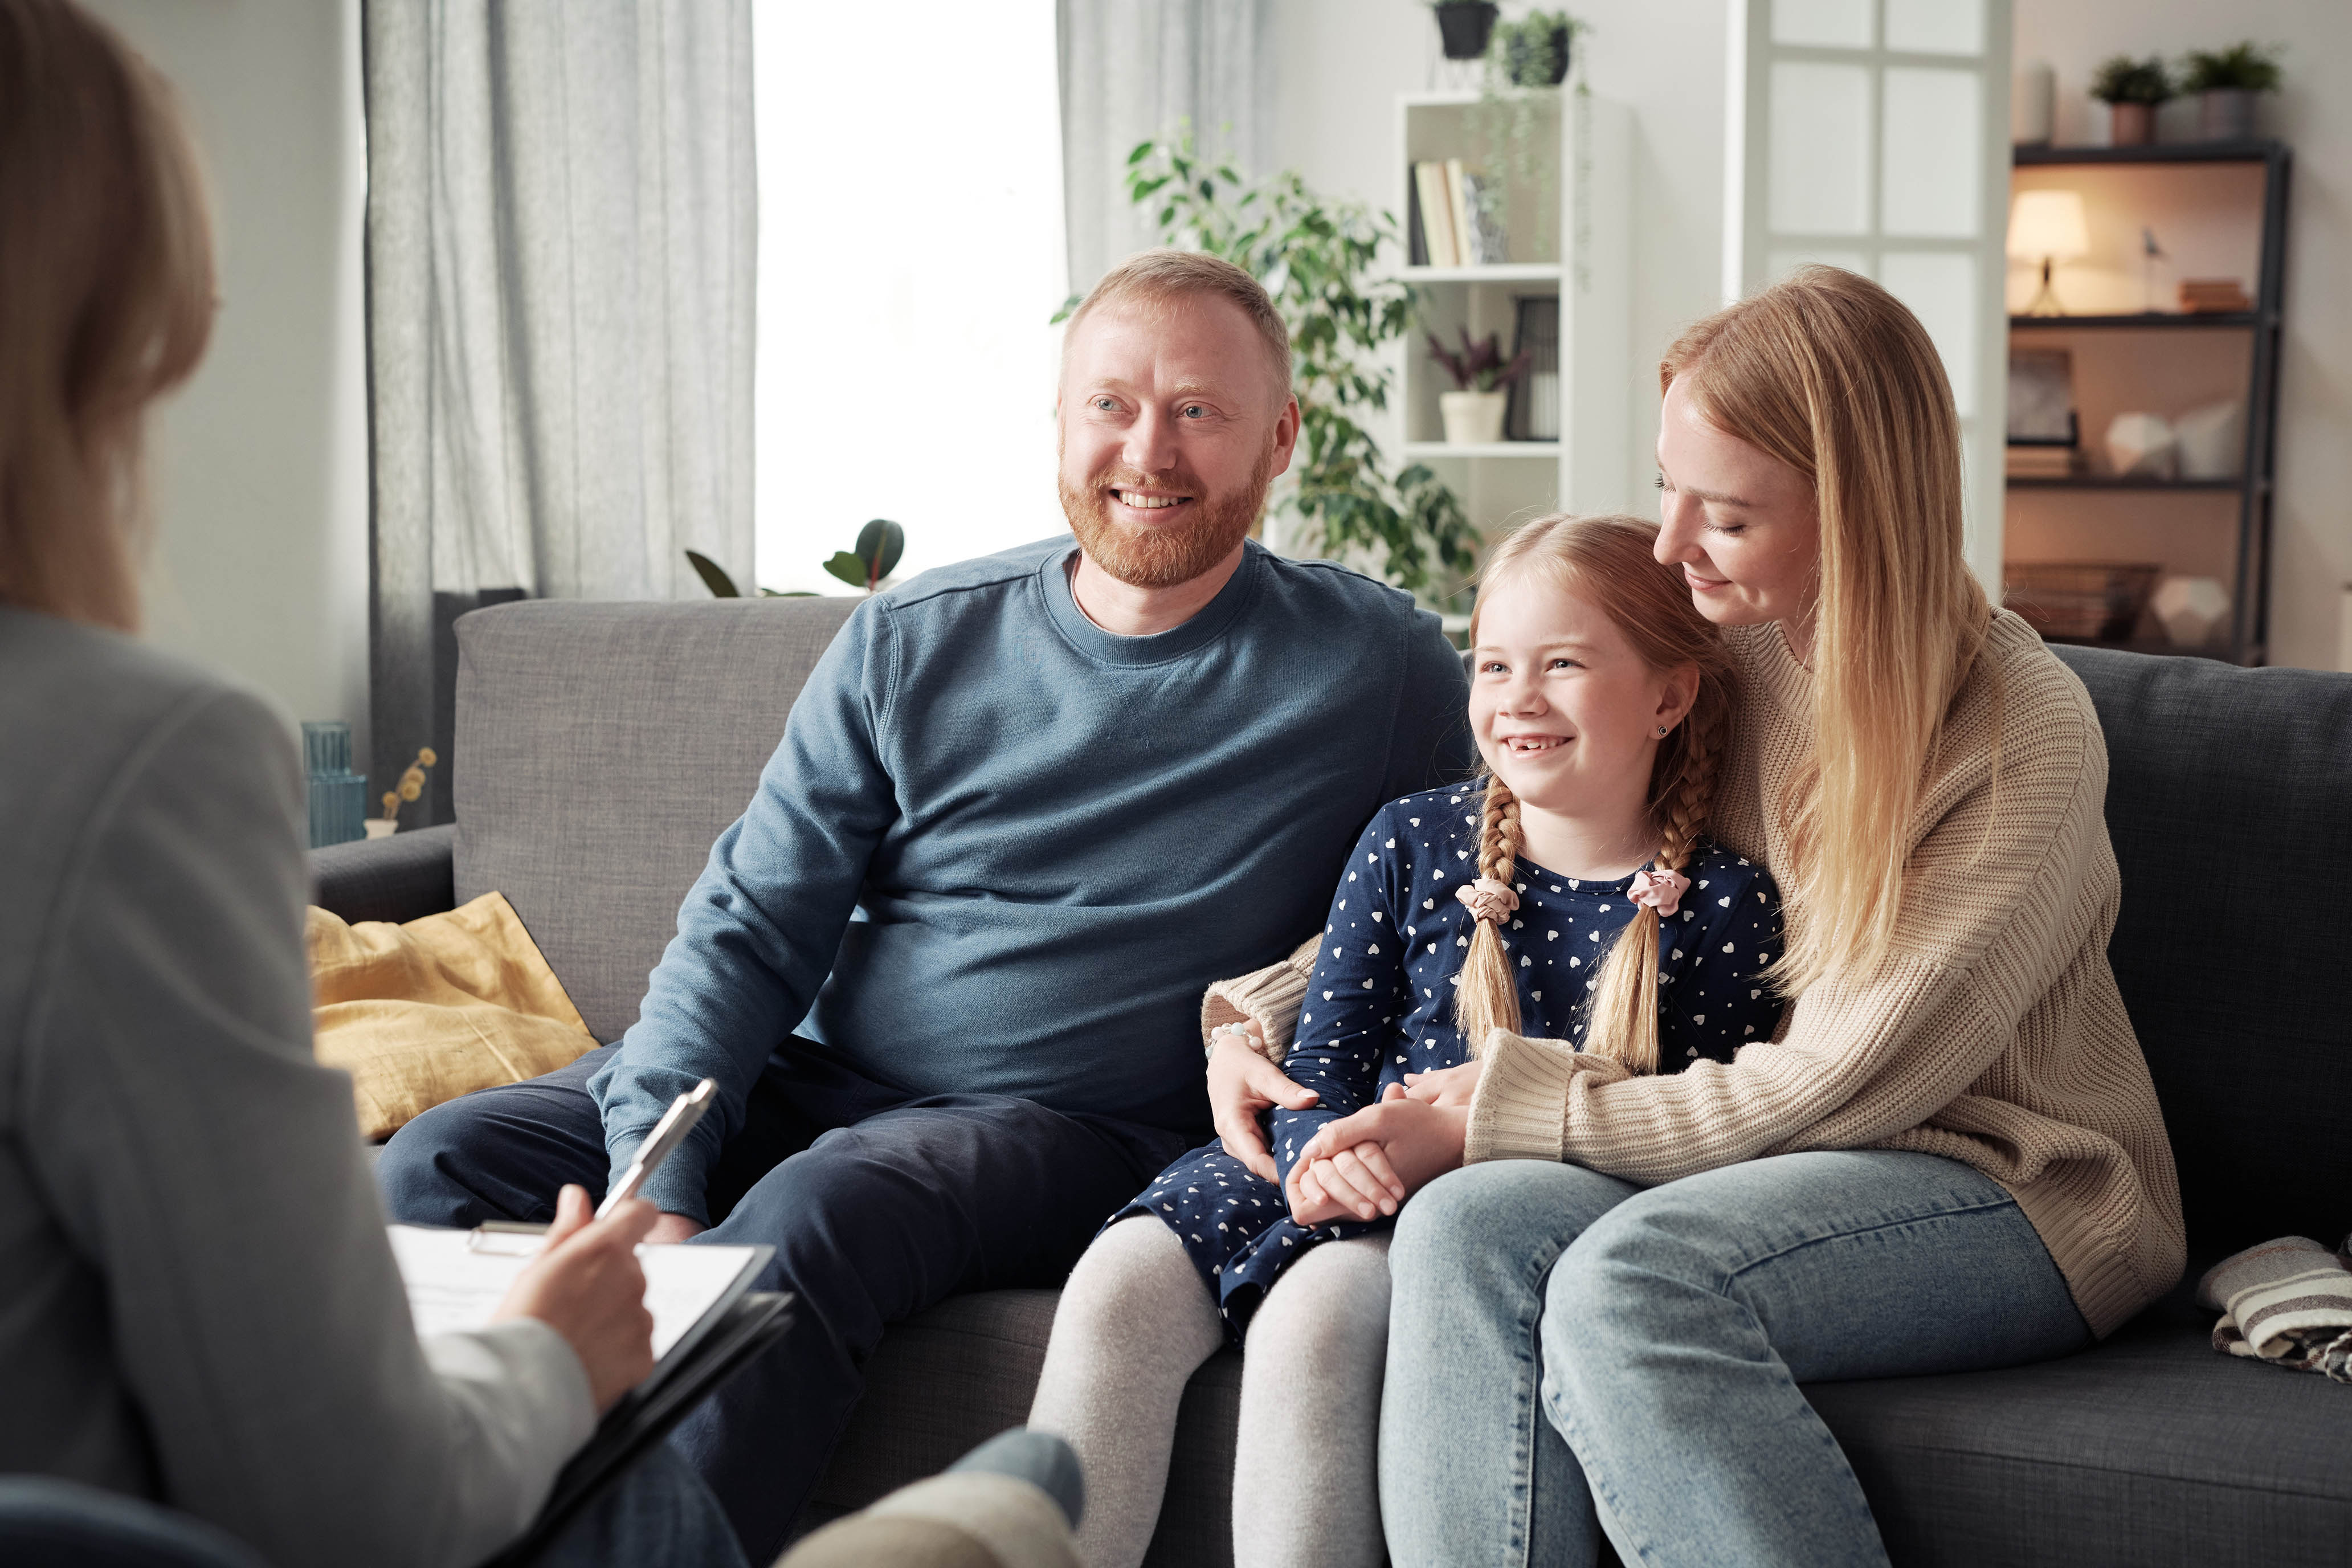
1065, 787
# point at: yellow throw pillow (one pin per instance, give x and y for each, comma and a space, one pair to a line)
438, 1007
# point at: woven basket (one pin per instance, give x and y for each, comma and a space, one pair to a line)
2091, 600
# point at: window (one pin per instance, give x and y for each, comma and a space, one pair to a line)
910, 255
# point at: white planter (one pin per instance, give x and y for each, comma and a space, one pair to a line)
1473, 418
381, 826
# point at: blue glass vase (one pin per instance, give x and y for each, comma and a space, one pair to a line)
338, 795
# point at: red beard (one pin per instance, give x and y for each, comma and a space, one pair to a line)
1178, 552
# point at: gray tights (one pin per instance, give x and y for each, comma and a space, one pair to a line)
1133, 1325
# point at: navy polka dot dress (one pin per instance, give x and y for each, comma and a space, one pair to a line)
1381, 1004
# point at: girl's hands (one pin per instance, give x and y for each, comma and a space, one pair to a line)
1420, 1141
586, 1285
1242, 1083
1353, 1183
1451, 1086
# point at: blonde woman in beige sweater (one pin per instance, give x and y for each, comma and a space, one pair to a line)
1950, 1155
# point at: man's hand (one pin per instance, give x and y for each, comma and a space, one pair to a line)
1242, 1083
1422, 1141
586, 1285
672, 1228
1451, 1086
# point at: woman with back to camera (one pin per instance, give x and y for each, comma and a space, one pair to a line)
199, 1306
1948, 1158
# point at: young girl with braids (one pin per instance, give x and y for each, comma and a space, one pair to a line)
1570, 894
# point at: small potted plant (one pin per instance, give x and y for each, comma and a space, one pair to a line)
2226, 83
2132, 90
1533, 51
1482, 377
1464, 25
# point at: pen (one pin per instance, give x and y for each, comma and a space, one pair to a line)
668, 1134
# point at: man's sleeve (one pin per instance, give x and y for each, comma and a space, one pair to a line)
1430, 744
758, 931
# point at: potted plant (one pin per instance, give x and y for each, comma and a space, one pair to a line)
2226, 83
1533, 51
1464, 25
1474, 412
2131, 89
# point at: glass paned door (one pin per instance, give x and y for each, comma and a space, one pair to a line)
1874, 135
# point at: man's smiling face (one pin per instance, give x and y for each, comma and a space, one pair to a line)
1172, 425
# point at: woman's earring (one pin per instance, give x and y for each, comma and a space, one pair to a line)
1662, 732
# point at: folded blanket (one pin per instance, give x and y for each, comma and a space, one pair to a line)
2288, 1302
438, 1007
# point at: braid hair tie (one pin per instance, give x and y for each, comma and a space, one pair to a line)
1488, 900
1658, 888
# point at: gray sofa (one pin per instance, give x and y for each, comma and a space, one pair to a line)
601, 747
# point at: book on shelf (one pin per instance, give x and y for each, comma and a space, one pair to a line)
1436, 214
1534, 411
1457, 196
2204, 296
1416, 235
2042, 462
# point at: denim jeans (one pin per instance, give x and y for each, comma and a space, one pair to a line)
1569, 1353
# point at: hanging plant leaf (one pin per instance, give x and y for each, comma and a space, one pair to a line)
879, 544
714, 576
847, 567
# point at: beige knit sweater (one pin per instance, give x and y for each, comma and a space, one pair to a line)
1992, 1032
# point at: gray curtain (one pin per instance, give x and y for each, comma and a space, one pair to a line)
561, 231
1131, 69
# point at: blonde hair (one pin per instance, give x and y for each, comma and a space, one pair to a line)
1608, 562
106, 301
1162, 276
1831, 375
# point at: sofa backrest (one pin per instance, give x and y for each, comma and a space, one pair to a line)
599, 750
2230, 803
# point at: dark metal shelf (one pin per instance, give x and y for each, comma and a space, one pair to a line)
2235, 150
2119, 482
2145, 318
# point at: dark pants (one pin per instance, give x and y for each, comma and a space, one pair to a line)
878, 1205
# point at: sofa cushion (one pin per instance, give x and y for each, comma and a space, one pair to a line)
600, 749
2230, 804
945, 1381
2149, 1447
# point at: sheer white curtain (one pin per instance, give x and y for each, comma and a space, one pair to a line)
910, 256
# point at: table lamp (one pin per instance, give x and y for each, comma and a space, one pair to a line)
2047, 227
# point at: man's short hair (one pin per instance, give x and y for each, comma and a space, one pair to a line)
1159, 277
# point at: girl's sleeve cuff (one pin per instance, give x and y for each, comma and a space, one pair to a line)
1521, 1109
1270, 998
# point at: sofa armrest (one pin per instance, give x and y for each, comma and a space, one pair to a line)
402, 877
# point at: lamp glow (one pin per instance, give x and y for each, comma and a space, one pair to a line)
2047, 227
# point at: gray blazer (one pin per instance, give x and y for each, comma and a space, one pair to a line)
197, 1303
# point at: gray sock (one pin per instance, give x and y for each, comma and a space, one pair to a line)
1133, 1325
1307, 1461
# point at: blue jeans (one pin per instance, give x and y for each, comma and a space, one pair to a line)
1569, 1353
878, 1205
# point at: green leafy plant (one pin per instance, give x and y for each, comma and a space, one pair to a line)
2123, 80
879, 544
1534, 51
2245, 67
1479, 367
723, 586
1316, 259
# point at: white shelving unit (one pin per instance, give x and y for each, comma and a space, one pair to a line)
1570, 234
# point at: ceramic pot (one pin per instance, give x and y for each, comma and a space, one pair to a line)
381, 827
1473, 418
2131, 124
1464, 25
2225, 112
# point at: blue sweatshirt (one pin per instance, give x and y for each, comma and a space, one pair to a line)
1002, 851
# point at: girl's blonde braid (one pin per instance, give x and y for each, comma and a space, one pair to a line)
1486, 996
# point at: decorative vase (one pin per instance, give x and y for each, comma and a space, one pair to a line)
381, 827
1473, 418
2131, 124
2225, 112
2192, 609
338, 797
1464, 25
2144, 446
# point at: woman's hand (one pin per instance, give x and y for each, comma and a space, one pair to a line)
586, 1285
1242, 1083
1420, 1140
1451, 1086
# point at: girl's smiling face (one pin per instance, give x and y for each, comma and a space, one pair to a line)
1564, 711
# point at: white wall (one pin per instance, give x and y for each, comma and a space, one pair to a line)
1342, 63
260, 463
2312, 527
